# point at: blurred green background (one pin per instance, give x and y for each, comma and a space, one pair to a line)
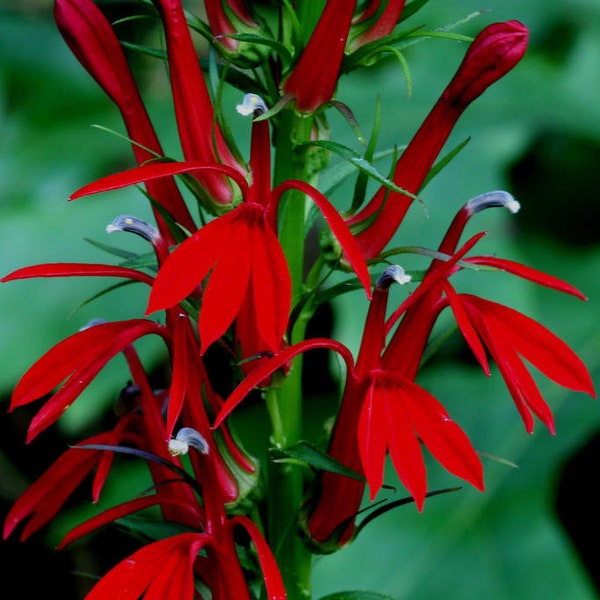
535, 133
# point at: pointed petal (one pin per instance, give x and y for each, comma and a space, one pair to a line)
189, 263
111, 515
77, 270
271, 286
268, 564
44, 498
270, 365
538, 345
227, 285
442, 436
372, 433
338, 227
466, 327
517, 378
131, 577
73, 352
527, 273
405, 449
155, 170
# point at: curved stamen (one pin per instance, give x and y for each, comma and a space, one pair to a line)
187, 437
134, 225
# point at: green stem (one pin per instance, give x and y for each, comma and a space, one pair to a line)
284, 398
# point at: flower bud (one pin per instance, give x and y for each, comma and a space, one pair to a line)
493, 53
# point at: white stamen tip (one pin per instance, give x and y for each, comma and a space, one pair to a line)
187, 438
252, 104
514, 206
491, 199
392, 274
178, 447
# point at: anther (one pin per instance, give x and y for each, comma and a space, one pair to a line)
252, 104
187, 437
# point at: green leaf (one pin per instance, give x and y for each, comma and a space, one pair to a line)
411, 8
357, 595
445, 160
101, 293
112, 249
261, 40
360, 187
308, 454
149, 528
359, 163
146, 50
335, 175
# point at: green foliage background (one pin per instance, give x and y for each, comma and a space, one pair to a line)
506, 543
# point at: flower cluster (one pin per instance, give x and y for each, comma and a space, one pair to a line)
240, 280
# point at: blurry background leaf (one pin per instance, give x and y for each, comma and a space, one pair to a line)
536, 133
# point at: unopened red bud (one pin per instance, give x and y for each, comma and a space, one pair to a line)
494, 52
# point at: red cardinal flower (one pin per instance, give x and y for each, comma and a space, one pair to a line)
494, 52
238, 253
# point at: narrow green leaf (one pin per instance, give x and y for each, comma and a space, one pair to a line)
151, 529
127, 139
112, 249
360, 163
261, 40
347, 113
101, 293
145, 50
394, 504
360, 187
498, 459
145, 455
411, 8
308, 454
445, 160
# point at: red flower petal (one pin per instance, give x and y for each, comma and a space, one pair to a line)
373, 435
466, 328
271, 287
268, 564
227, 285
158, 561
537, 344
405, 449
338, 227
441, 435
189, 263
73, 353
155, 170
44, 498
79, 358
270, 365
93, 41
527, 273
117, 512
315, 76
77, 270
